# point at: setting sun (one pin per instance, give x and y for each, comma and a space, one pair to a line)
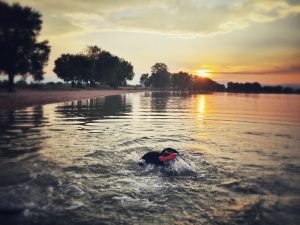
203, 73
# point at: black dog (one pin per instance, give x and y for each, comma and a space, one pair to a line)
158, 158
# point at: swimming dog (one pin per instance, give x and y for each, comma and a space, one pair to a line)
159, 158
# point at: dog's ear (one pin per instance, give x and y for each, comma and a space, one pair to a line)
168, 151
175, 151
165, 152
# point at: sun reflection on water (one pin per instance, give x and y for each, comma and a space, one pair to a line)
201, 104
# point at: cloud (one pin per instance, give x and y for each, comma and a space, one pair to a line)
295, 69
172, 17
56, 25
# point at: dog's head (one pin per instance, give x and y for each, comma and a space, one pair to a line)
168, 154
168, 151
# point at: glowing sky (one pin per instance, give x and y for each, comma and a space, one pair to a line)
242, 40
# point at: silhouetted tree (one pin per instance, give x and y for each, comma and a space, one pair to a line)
20, 52
288, 90
160, 76
257, 88
112, 70
272, 89
94, 66
104, 63
206, 84
93, 53
63, 67
144, 80
117, 71
109, 69
74, 68
181, 81
125, 72
244, 87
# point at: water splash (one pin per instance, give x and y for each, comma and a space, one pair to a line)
181, 167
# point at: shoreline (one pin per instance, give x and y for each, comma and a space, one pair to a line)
23, 98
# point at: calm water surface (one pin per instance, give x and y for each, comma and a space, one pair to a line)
76, 162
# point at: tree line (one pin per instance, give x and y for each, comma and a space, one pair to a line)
256, 87
160, 78
94, 66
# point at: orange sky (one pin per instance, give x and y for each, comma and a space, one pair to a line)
241, 41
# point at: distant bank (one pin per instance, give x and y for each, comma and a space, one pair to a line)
27, 97
30, 97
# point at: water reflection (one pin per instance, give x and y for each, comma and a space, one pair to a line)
92, 109
20, 130
159, 100
201, 103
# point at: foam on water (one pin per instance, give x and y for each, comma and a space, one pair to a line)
133, 156
75, 205
181, 167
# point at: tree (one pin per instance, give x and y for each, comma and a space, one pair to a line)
109, 69
63, 67
125, 72
206, 84
94, 66
160, 76
181, 80
244, 87
144, 80
21, 53
74, 68
93, 53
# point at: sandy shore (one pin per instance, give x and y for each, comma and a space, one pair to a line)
24, 98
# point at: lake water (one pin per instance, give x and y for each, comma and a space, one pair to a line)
76, 162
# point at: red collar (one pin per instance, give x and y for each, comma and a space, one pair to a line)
168, 157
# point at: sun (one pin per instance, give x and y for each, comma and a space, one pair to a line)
203, 73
